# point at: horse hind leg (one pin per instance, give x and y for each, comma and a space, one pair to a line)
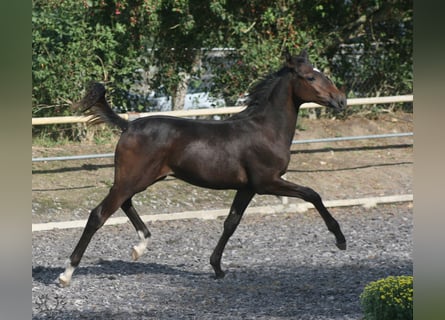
282, 187
239, 205
141, 229
96, 220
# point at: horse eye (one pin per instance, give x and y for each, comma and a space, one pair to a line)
310, 78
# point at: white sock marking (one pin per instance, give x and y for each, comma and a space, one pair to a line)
65, 277
141, 246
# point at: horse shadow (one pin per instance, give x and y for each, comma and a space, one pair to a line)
110, 269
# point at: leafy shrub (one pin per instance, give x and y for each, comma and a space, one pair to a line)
71, 47
388, 299
127, 45
73, 43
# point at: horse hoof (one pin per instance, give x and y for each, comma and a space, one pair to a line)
219, 275
341, 246
135, 253
63, 280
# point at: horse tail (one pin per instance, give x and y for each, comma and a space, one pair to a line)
95, 104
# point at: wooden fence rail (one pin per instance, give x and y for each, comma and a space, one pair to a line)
214, 111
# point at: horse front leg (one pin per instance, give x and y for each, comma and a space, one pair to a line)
282, 187
141, 229
239, 205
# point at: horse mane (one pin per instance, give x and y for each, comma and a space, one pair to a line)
260, 92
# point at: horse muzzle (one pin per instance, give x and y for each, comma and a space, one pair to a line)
338, 103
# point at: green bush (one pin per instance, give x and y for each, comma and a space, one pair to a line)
388, 299
127, 45
73, 43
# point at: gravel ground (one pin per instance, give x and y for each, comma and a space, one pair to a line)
278, 267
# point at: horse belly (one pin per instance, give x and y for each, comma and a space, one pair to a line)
210, 169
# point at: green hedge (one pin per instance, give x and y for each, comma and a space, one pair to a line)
390, 298
72, 44
365, 47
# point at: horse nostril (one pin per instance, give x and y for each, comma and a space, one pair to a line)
339, 101
342, 102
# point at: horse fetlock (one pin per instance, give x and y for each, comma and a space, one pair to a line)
215, 262
219, 274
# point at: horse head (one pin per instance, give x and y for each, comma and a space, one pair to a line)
311, 85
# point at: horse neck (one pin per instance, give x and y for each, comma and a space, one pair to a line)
282, 110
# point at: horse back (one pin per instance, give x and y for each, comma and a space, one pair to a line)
209, 154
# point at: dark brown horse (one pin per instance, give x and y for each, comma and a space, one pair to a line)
248, 152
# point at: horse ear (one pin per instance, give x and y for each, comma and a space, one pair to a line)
288, 57
303, 54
